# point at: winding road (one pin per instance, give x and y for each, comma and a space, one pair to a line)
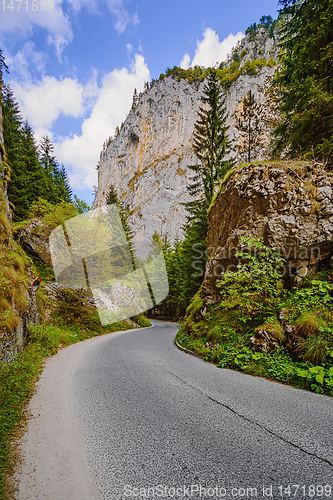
128, 415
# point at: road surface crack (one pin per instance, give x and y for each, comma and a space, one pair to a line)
254, 422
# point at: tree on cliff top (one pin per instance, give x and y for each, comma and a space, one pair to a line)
305, 79
3, 66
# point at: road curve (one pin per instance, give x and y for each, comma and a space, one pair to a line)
128, 415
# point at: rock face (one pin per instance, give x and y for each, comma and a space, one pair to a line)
288, 204
11, 339
33, 242
148, 161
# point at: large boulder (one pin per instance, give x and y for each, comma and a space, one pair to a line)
288, 204
32, 238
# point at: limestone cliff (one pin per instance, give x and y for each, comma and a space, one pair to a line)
148, 161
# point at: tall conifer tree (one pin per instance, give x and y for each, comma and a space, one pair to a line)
211, 145
33, 169
305, 79
19, 182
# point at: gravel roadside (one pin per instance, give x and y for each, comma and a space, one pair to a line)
54, 462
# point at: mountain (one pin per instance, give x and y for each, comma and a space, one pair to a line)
147, 162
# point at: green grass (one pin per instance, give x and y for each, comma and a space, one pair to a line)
17, 379
228, 348
43, 271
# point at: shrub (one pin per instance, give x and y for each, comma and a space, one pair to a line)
255, 288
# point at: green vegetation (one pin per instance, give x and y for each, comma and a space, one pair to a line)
17, 378
226, 75
211, 145
252, 298
35, 171
304, 82
249, 126
38, 188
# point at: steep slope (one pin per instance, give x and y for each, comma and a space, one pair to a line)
148, 161
18, 306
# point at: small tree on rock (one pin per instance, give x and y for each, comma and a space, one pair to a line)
135, 99
249, 126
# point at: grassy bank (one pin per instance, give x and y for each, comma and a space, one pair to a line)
17, 378
263, 328
234, 352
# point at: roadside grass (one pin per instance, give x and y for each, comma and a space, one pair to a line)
231, 350
17, 378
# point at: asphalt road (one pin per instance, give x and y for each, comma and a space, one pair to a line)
155, 417
128, 415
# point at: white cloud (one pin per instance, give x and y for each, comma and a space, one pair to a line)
21, 24
185, 62
91, 91
116, 7
42, 103
81, 153
24, 59
210, 50
122, 16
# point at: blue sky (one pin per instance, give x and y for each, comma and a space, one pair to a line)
74, 66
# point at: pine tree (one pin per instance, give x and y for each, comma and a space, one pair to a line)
305, 79
33, 169
249, 126
123, 209
211, 145
12, 124
266, 21
65, 192
51, 169
3, 66
135, 99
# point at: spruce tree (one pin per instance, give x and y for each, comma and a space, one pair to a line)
18, 185
33, 169
305, 79
65, 192
249, 126
51, 170
135, 99
123, 209
211, 145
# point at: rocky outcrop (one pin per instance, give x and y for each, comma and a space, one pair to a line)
288, 204
148, 161
33, 241
73, 302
